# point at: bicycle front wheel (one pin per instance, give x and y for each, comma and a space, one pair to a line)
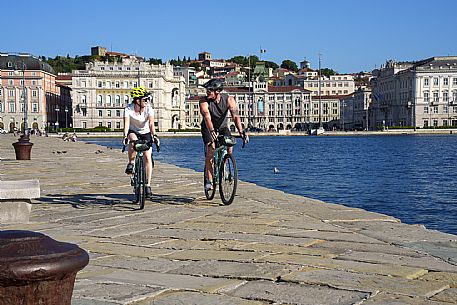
209, 193
140, 187
228, 179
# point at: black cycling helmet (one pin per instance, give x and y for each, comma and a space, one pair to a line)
214, 84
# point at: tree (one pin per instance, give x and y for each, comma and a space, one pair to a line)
271, 64
289, 65
196, 65
328, 72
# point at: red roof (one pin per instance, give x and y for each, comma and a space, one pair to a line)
64, 77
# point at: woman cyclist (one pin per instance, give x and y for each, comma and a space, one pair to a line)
139, 124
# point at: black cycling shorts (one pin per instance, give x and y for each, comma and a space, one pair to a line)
206, 135
146, 136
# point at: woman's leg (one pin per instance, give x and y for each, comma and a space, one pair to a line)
148, 163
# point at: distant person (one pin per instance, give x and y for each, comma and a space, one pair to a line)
73, 137
139, 124
214, 108
15, 131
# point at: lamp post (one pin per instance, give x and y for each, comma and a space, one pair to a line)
57, 122
21, 65
66, 114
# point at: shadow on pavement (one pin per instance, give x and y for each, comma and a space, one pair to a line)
120, 202
117, 202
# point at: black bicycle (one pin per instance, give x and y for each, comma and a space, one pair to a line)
225, 172
138, 177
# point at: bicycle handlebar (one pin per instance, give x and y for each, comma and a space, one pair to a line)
150, 143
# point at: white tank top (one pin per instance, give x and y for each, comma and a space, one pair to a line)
139, 122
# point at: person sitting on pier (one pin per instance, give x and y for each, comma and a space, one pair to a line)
139, 124
214, 108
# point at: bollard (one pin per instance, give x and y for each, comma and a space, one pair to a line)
23, 148
36, 269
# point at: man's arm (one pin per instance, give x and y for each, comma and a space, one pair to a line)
126, 127
204, 110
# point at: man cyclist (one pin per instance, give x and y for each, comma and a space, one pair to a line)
139, 124
214, 108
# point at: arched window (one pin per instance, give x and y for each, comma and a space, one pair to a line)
99, 99
118, 100
126, 99
83, 99
108, 99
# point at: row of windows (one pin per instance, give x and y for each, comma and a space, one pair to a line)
436, 81
21, 82
11, 92
12, 107
108, 124
109, 113
435, 109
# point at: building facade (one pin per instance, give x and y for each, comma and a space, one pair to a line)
101, 92
416, 94
19, 72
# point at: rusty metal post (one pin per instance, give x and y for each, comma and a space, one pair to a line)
36, 269
23, 147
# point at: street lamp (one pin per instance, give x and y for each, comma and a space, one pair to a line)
23, 67
57, 122
66, 113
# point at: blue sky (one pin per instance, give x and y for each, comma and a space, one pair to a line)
351, 35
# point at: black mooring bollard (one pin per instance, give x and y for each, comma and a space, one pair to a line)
36, 269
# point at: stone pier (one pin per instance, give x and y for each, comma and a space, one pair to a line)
268, 247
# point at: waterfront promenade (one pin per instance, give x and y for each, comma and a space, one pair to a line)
268, 247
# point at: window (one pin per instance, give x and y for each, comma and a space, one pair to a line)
425, 123
10, 93
99, 84
13, 108
100, 124
33, 82
118, 125
109, 113
99, 99
10, 64
425, 109
35, 107
34, 93
1, 107
118, 85
126, 99
109, 125
10, 82
426, 97
435, 123
118, 100
83, 99
454, 81
435, 81
435, 96
426, 82
446, 81
444, 122
435, 109
84, 124
118, 113
108, 99
100, 113
0, 92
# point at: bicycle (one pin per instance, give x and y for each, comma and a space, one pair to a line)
138, 177
225, 171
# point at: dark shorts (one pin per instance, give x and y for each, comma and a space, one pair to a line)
206, 135
146, 136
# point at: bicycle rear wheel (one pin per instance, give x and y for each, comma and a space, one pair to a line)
140, 187
228, 179
209, 193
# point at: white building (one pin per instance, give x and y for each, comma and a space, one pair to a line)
416, 94
102, 90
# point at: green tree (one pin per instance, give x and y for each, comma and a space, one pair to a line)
196, 65
271, 64
289, 65
328, 72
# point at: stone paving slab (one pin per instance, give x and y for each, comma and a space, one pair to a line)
287, 293
352, 266
365, 282
184, 248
